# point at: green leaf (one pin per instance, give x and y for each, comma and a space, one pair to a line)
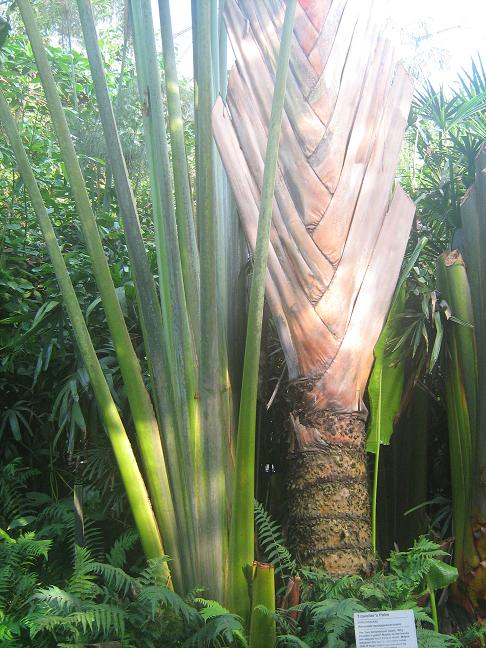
14, 425
440, 574
4, 30
386, 382
21, 522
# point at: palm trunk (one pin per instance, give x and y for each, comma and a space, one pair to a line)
329, 511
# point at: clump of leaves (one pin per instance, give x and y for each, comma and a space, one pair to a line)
326, 614
102, 602
423, 566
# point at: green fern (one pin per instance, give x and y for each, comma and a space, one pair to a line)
158, 597
101, 602
333, 620
221, 629
13, 504
18, 581
272, 544
423, 565
118, 553
82, 582
115, 577
290, 641
430, 639
474, 634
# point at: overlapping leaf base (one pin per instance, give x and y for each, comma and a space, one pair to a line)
338, 236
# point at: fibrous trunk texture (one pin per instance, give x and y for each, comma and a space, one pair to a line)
329, 512
339, 231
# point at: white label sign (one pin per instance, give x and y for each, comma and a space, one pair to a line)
385, 629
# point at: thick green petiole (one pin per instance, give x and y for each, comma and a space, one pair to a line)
242, 531
130, 473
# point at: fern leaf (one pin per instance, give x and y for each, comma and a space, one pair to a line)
82, 583
210, 609
58, 600
221, 630
115, 577
272, 543
157, 597
105, 619
431, 639
118, 553
290, 641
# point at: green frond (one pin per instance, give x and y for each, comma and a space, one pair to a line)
289, 641
431, 639
56, 520
345, 587
158, 597
42, 620
221, 630
57, 600
122, 545
102, 618
210, 609
151, 574
82, 582
271, 541
422, 565
115, 577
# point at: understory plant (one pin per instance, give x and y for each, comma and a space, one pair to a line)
184, 429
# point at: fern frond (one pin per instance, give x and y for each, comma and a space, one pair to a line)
115, 577
151, 575
81, 583
334, 618
431, 639
272, 543
56, 520
221, 630
13, 483
210, 609
346, 587
158, 597
291, 641
118, 553
42, 619
101, 618
58, 600
30, 547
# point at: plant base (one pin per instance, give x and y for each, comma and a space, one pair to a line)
329, 511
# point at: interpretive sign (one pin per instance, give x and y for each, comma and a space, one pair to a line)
385, 629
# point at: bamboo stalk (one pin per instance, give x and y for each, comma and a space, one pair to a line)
130, 473
242, 530
149, 307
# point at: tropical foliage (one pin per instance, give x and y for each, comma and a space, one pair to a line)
109, 157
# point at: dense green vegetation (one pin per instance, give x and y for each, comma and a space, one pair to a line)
72, 571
